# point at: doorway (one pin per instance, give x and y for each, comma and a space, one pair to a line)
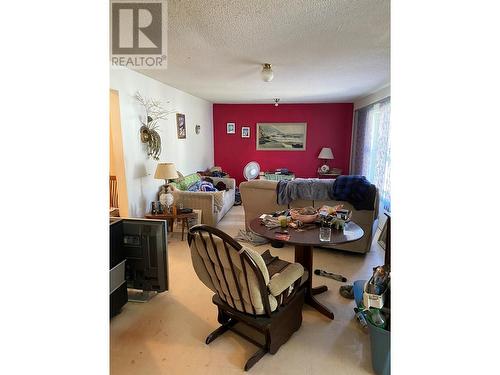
117, 180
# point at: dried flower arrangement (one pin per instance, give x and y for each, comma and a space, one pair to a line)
149, 129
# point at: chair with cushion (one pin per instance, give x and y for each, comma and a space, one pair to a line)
260, 293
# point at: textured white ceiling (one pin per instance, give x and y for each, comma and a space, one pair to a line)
321, 51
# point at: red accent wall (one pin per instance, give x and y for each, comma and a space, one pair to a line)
328, 125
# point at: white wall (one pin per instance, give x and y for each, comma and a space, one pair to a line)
192, 154
373, 97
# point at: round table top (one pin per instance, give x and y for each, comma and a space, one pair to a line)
310, 237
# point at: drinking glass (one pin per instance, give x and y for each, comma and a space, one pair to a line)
325, 234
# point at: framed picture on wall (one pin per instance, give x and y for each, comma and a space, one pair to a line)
283, 136
231, 128
181, 126
245, 132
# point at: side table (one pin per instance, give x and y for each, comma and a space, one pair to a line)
328, 175
332, 173
170, 218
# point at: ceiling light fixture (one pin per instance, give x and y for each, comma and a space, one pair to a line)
276, 100
267, 72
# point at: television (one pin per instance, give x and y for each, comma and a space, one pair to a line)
145, 251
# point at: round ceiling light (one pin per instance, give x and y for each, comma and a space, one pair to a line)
267, 72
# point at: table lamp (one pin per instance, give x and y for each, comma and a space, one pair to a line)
325, 154
166, 171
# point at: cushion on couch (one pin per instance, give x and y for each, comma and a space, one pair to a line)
187, 181
174, 185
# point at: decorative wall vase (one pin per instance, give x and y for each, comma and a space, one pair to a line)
149, 129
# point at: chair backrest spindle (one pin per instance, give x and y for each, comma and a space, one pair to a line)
236, 281
214, 246
244, 267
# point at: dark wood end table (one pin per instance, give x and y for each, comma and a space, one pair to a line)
304, 242
328, 175
170, 218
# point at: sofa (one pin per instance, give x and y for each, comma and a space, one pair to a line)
213, 205
259, 196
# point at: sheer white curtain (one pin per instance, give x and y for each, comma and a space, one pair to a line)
371, 156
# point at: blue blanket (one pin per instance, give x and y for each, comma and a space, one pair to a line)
356, 190
202, 186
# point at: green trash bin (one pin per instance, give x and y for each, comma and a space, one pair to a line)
380, 339
380, 342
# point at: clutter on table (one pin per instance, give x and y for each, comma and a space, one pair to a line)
308, 218
304, 215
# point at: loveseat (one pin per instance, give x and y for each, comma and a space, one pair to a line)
213, 205
259, 196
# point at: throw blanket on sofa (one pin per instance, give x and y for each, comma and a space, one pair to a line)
304, 188
202, 186
209, 187
356, 190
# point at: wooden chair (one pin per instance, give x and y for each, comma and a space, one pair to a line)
113, 196
254, 292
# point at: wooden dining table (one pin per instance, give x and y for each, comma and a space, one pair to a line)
304, 241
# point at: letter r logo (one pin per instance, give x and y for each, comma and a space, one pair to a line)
136, 28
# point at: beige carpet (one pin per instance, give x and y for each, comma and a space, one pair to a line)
167, 334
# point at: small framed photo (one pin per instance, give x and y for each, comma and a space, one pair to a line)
245, 132
231, 128
181, 126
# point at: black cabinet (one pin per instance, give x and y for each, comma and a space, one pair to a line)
117, 284
137, 258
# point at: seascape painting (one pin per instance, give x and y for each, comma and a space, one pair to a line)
282, 136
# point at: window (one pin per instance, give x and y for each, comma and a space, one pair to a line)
371, 155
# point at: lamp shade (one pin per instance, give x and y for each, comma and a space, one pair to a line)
326, 153
166, 171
